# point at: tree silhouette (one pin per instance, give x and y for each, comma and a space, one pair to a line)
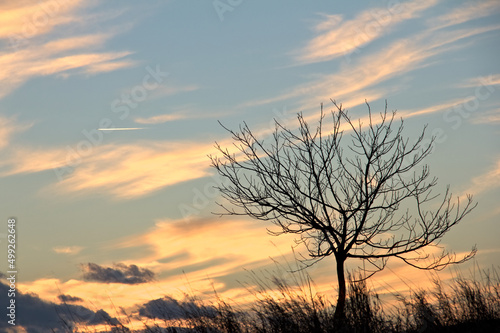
365, 199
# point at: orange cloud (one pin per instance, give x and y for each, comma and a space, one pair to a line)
31, 55
137, 169
108, 66
8, 128
465, 13
482, 81
67, 249
342, 38
213, 248
491, 117
433, 108
75, 43
26, 19
123, 171
359, 80
163, 118
21, 160
488, 181
20, 66
209, 237
215, 251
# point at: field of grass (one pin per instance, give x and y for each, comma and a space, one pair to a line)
464, 305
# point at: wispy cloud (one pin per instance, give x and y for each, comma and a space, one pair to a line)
488, 181
133, 170
20, 160
20, 66
469, 11
182, 112
163, 118
27, 19
108, 66
339, 38
123, 171
401, 57
487, 80
361, 79
31, 55
491, 117
190, 235
75, 43
169, 90
434, 108
120, 129
9, 126
67, 249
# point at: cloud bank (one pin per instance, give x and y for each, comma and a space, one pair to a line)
168, 308
36, 315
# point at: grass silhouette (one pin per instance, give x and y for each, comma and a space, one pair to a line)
465, 305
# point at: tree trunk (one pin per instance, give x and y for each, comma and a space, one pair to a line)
339, 315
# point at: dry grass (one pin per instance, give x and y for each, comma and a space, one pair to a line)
466, 305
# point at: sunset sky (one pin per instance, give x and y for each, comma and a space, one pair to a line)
108, 111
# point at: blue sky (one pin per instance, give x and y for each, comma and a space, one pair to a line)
165, 73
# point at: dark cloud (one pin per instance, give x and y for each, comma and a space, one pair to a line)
101, 317
169, 308
37, 315
69, 299
119, 273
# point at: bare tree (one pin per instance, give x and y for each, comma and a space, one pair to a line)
365, 199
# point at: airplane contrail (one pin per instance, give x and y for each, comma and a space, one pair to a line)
120, 129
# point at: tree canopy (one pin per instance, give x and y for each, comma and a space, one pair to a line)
346, 188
